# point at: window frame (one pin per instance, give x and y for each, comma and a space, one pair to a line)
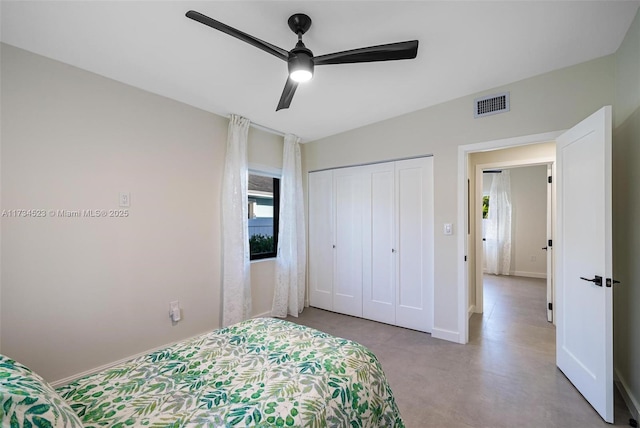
276, 214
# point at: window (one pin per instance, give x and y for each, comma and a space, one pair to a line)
264, 204
485, 207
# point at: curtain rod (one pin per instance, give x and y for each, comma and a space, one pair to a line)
492, 171
267, 129
262, 127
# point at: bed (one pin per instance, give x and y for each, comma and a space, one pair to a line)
261, 372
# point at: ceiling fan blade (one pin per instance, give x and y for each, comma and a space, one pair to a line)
260, 44
389, 52
287, 94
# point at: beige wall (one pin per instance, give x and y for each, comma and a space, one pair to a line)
78, 293
264, 154
549, 102
264, 150
626, 213
516, 155
262, 286
529, 199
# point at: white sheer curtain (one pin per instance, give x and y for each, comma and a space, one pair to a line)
236, 276
288, 297
498, 233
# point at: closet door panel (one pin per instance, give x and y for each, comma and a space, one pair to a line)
321, 233
379, 244
414, 231
347, 289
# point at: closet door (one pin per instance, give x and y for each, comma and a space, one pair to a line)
378, 291
321, 233
414, 234
347, 284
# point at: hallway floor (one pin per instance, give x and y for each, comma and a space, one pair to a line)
505, 377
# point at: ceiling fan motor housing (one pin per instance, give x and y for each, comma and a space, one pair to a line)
300, 58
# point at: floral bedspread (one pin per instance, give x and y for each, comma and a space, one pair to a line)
260, 373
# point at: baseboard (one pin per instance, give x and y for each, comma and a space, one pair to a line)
522, 273
471, 310
263, 315
627, 396
451, 336
529, 274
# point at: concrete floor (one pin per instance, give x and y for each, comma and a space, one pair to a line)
504, 377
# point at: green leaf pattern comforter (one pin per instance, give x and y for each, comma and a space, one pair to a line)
260, 373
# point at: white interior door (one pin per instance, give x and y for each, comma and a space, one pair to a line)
378, 289
584, 315
347, 283
321, 239
414, 243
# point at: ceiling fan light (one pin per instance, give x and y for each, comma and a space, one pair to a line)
300, 63
301, 75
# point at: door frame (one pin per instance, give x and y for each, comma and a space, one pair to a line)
551, 259
479, 253
463, 217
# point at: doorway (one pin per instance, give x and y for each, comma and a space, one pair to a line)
466, 251
517, 244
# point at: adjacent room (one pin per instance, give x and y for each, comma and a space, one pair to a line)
202, 225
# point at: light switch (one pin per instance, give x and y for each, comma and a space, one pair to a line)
448, 229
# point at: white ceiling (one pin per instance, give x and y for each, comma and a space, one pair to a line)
465, 47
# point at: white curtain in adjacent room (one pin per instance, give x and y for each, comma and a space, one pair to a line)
236, 277
498, 232
291, 260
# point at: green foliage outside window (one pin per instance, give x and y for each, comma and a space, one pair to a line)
485, 207
260, 244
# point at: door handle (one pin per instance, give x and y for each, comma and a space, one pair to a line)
597, 280
611, 281
545, 248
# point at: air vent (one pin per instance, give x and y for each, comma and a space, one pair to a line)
492, 104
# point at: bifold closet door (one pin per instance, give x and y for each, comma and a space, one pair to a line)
414, 240
371, 242
321, 242
347, 283
378, 291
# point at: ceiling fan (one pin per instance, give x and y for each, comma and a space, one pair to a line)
301, 61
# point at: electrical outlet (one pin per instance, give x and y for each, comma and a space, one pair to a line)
174, 311
125, 199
